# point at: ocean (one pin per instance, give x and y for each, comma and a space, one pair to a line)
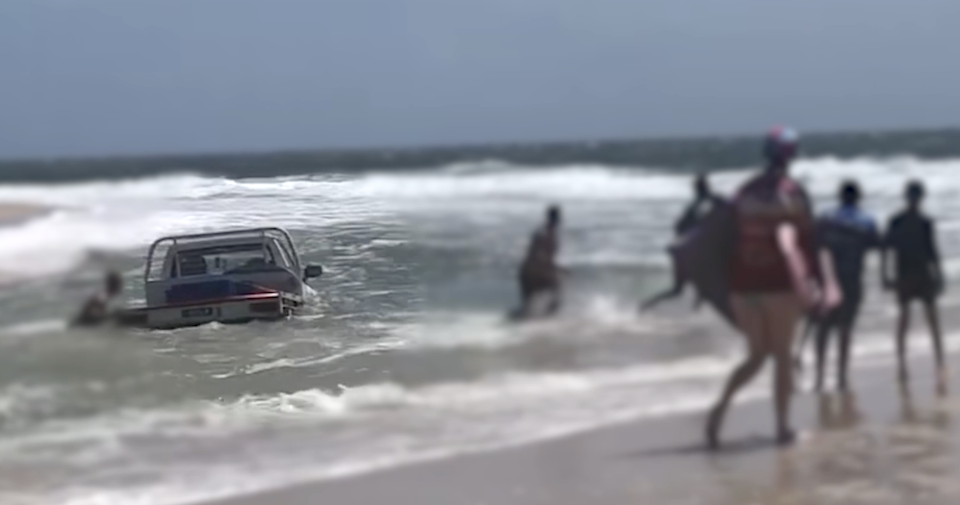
405, 354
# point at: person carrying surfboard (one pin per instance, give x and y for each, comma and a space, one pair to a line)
539, 274
917, 275
703, 202
849, 233
776, 273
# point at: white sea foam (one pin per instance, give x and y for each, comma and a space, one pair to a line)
129, 214
492, 411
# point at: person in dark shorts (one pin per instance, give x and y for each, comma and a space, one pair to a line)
917, 275
703, 202
96, 309
848, 233
539, 274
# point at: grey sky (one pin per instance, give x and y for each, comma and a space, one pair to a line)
141, 76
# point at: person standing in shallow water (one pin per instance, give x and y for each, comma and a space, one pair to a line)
849, 233
97, 308
703, 202
917, 275
539, 274
777, 273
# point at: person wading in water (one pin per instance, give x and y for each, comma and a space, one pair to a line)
539, 274
97, 309
703, 202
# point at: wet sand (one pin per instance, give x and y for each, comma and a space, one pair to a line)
883, 445
16, 213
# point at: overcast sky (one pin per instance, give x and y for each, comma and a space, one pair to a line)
145, 76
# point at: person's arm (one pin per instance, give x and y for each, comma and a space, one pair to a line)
934, 253
533, 244
886, 249
825, 271
874, 240
789, 242
815, 245
832, 295
683, 223
822, 268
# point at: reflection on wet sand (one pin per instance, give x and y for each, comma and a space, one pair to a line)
851, 459
847, 415
910, 461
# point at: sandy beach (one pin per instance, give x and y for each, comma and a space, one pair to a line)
15, 213
880, 445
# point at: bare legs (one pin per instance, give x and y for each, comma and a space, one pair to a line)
783, 312
768, 323
845, 331
846, 334
933, 323
823, 332
673, 292
902, 325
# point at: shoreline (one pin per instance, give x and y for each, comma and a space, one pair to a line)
664, 460
16, 213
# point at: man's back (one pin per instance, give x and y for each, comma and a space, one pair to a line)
848, 233
910, 236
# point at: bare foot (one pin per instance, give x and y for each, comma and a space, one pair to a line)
786, 436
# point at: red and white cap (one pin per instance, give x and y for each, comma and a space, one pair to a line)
781, 143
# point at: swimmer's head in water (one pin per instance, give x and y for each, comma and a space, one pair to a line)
114, 283
553, 215
780, 147
914, 192
850, 193
701, 185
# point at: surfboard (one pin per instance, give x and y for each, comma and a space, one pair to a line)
703, 256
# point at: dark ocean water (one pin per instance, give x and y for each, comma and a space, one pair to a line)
404, 354
710, 153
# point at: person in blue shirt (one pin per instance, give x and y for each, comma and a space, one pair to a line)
848, 233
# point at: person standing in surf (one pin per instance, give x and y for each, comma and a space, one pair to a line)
97, 309
917, 275
777, 273
849, 233
539, 274
703, 202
